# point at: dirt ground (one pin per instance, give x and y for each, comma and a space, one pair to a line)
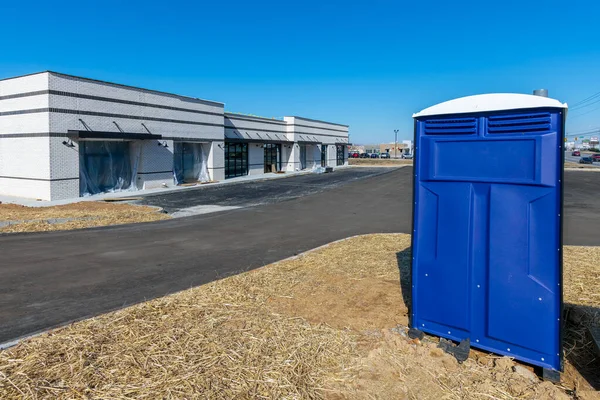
79, 215
569, 164
328, 324
378, 161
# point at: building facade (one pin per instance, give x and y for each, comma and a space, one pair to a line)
63, 136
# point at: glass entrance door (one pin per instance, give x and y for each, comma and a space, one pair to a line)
236, 159
185, 154
323, 155
272, 157
339, 155
302, 156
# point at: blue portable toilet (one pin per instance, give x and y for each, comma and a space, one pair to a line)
487, 218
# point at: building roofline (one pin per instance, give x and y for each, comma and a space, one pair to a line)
230, 114
316, 120
23, 76
188, 98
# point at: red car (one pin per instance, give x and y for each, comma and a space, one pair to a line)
596, 157
576, 153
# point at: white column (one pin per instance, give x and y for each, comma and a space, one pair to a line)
293, 161
331, 155
216, 160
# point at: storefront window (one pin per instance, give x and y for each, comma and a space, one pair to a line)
236, 159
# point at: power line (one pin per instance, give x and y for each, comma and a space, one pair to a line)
597, 130
587, 112
586, 99
584, 105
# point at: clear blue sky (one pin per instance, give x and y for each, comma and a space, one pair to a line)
369, 64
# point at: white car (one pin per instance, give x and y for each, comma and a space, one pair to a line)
407, 156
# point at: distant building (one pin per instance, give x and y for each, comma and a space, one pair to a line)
404, 147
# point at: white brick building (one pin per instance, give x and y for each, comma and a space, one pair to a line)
63, 136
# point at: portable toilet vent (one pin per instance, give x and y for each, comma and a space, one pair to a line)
487, 239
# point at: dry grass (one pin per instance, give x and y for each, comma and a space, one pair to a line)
318, 326
87, 213
569, 164
378, 161
582, 302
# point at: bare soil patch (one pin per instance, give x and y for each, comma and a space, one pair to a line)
569, 164
79, 215
327, 324
379, 161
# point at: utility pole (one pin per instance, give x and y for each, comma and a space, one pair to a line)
396, 143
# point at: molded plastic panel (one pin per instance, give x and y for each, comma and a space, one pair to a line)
487, 239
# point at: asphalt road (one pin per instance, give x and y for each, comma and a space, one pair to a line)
575, 159
49, 279
268, 191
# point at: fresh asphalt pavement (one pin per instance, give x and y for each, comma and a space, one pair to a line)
49, 279
259, 192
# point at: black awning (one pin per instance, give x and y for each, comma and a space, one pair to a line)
112, 135
308, 142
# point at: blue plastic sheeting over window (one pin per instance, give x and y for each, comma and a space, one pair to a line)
189, 163
106, 166
487, 231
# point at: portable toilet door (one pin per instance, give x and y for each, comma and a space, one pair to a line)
487, 239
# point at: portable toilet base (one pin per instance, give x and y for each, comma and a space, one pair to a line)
487, 217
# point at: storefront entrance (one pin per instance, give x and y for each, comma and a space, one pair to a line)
272, 157
323, 155
302, 156
236, 159
339, 154
189, 163
104, 166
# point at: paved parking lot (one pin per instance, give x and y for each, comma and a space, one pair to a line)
253, 193
582, 208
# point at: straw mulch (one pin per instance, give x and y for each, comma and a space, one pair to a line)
323, 325
87, 214
582, 304
378, 161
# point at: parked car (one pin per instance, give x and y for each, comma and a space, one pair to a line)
364, 155
407, 156
596, 157
353, 155
586, 160
576, 153
385, 155
374, 155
